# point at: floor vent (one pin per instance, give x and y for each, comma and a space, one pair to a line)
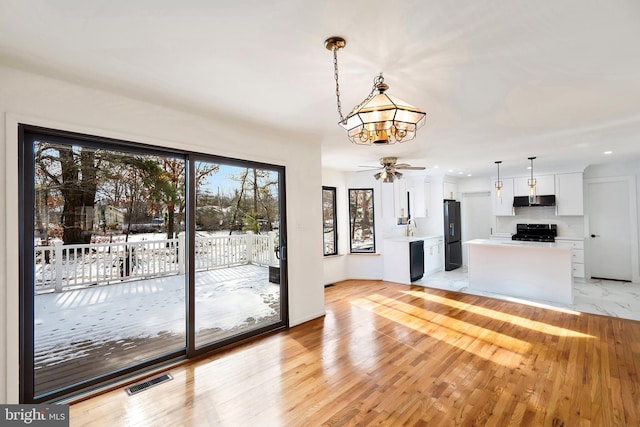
137, 388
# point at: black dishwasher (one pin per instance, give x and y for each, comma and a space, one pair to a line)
416, 255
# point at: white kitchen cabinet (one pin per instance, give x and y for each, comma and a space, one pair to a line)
400, 197
545, 185
427, 198
569, 194
397, 256
420, 197
577, 254
450, 190
539, 271
503, 206
433, 255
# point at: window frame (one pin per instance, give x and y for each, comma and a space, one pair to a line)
334, 213
372, 249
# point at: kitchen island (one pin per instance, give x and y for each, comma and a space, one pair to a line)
532, 270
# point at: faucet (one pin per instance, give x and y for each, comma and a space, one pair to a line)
409, 229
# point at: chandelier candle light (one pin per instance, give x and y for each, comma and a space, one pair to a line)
379, 119
532, 184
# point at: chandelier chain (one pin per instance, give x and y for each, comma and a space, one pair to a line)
335, 74
376, 80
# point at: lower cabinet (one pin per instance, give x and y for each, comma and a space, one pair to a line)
433, 255
577, 255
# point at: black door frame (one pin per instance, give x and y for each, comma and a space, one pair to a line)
26, 135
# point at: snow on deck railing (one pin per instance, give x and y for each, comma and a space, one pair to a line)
62, 267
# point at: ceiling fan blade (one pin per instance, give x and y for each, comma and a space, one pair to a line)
413, 168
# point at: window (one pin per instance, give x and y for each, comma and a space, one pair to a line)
329, 221
361, 221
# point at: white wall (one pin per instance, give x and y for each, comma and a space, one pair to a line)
568, 226
335, 267
368, 266
474, 184
42, 101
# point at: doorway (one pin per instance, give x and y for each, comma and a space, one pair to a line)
134, 256
611, 207
476, 217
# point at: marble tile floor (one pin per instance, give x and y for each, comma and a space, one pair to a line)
606, 297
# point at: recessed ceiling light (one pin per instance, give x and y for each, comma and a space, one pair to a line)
608, 152
468, 174
450, 170
460, 173
436, 167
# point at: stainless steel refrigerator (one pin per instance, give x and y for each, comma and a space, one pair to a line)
452, 235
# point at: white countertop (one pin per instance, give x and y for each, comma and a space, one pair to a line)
502, 235
411, 238
516, 244
569, 238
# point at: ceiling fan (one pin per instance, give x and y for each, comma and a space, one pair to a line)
390, 168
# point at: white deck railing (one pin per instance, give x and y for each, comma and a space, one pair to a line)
60, 267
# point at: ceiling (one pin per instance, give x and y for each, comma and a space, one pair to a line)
499, 80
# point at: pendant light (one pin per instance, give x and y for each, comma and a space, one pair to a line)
531, 182
498, 183
380, 119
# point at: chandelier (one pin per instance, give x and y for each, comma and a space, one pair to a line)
498, 183
531, 182
380, 118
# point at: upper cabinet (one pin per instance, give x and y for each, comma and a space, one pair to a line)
450, 190
569, 196
419, 189
545, 185
503, 206
567, 188
401, 190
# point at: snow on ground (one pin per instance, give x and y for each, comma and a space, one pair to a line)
227, 298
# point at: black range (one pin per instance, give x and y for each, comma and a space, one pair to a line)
536, 232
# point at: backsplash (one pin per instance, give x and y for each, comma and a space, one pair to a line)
568, 226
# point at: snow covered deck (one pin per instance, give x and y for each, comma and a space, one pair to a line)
88, 332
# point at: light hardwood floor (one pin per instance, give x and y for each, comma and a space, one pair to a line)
388, 354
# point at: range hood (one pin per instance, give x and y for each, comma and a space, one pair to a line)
521, 201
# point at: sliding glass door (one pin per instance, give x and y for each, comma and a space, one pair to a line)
237, 251
137, 256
